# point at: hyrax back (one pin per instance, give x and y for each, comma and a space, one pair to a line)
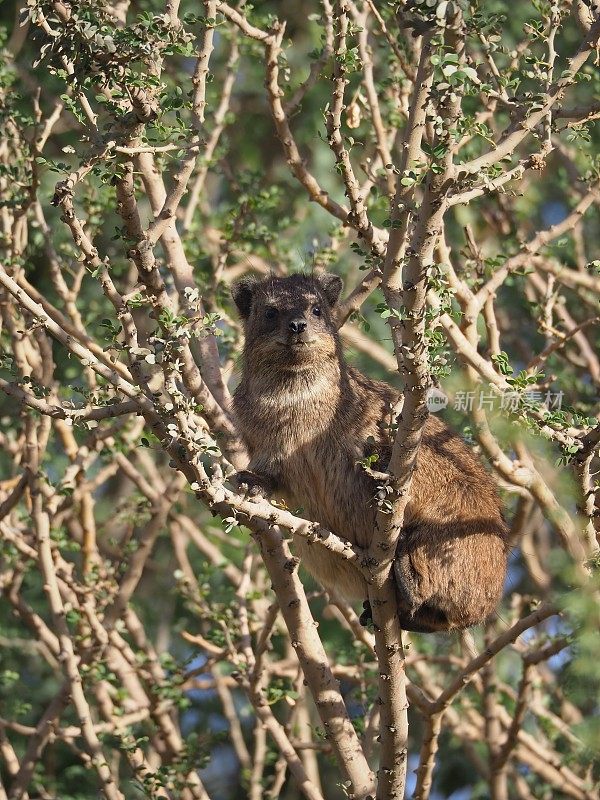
308, 420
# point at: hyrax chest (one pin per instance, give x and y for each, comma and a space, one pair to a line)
318, 464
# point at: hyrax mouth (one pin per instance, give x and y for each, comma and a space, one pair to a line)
296, 344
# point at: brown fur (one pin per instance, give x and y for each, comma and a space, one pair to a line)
308, 419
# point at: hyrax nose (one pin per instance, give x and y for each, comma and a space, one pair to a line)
297, 325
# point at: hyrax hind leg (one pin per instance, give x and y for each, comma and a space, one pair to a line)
408, 595
407, 588
414, 612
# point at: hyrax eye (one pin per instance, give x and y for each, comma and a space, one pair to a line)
316, 311
270, 313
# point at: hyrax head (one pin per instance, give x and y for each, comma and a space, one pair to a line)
289, 319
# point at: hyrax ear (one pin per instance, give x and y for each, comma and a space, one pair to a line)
242, 292
331, 286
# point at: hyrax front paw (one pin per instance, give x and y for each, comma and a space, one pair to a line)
251, 484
